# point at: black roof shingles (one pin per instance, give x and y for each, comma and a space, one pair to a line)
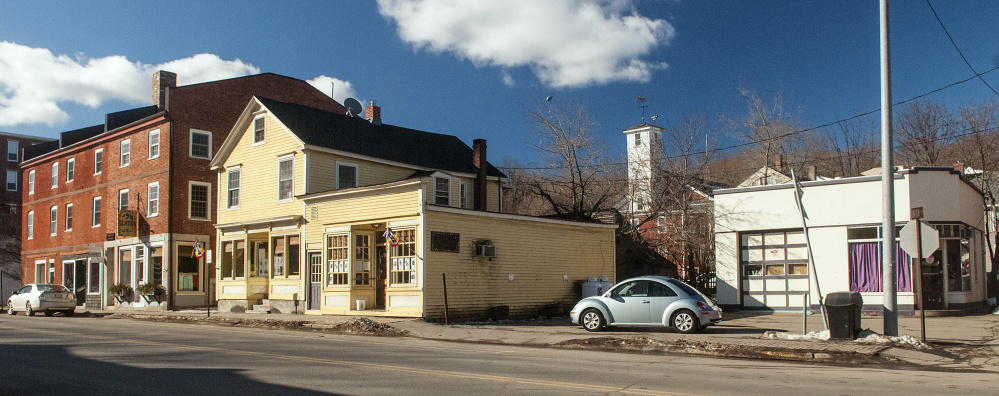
359, 136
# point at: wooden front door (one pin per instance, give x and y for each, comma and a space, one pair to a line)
315, 279
381, 264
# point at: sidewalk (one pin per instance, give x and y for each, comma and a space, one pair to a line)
970, 342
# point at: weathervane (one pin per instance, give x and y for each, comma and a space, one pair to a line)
641, 99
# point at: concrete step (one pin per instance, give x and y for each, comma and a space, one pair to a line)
255, 310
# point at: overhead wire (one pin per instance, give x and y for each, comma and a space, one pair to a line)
952, 42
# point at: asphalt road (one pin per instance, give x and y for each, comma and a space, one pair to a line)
76, 356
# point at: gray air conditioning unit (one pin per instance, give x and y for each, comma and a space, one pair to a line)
485, 251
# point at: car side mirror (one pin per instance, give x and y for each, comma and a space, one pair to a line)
14, 293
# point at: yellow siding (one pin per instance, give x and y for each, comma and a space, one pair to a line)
493, 199
322, 171
259, 175
537, 254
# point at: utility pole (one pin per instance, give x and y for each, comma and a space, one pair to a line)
887, 183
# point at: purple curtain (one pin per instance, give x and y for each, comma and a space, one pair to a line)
865, 268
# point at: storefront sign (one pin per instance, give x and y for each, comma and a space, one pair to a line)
127, 222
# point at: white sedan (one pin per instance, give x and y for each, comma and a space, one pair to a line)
47, 298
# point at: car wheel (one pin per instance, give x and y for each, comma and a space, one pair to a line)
593, 320
10, 309
70, 312
28, 311
684, 321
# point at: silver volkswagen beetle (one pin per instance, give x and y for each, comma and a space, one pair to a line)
648, 301
39, 297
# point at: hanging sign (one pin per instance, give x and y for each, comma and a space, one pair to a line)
127, 223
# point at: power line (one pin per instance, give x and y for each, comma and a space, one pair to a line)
958, 49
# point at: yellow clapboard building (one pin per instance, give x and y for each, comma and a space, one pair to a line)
324, 213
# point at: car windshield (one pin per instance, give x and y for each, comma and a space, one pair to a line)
46, 288
686, 288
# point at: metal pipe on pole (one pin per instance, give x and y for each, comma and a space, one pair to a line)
887, 183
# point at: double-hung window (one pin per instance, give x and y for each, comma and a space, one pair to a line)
70, 169
346, 175
55, 175
442, 191
31, 225
31, 181
69, 217
153, 201
198, 208
463, 195
232, 196
286, 178
258, 130
96, 221
154, 143
12, 150
53, 219
12, 180
98, 161
201, 144
123, 199
126, 153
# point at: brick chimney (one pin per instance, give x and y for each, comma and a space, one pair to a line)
479, 187
779, 162
373, 114
162, 82
959, 166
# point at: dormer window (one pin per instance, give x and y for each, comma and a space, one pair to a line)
442, 191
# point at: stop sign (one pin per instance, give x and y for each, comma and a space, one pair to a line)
908, 242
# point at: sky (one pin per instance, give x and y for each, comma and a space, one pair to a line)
469, 68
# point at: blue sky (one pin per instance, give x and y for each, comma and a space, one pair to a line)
467, 67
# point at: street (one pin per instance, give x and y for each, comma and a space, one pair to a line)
58, 355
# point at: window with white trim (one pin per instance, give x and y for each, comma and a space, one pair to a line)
55, 175
346, 175
96, 221
70, 169
153, 199
12, 150
123, 199
69, 217
98, 161
463, 195
403, 266
31, 181
12, 180
337, 261
53, 219
442, 191
258, 130
40, 271
126, 153
198, 206
154, 143
286, 178
232, 189
362, 259
201, 144
31, 225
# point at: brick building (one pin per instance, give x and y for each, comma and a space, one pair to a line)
10, 209
130, 201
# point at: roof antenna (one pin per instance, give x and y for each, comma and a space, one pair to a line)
641, 99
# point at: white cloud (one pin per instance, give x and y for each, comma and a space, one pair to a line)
508, 79
34, 82
333, 87
566, 43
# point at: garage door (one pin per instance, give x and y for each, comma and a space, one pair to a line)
774, 267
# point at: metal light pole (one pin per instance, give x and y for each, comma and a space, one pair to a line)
887, 183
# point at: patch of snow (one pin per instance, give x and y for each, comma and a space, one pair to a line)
865, 336
811, 336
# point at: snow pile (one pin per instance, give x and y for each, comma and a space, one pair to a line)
811, 336
865, 336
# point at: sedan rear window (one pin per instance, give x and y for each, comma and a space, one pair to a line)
58, 288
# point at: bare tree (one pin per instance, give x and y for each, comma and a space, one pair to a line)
579, 179
923, 131
10, 245
852, 147
978, 143
773, 131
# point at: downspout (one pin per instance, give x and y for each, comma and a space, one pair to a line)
168, 245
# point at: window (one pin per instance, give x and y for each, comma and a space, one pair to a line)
70, 169
96, 221
69, 217
155, 266
258, 259
198, 204
154, 143
31, 182
233, 259
123, 199
442, 191
346, 175
53, 218
638, 140
126, 153
11, 180
258, 130
362, 259
285, 258
286, 182
201, 144
55, 175
188, 269
12, 150
94, 281
125, 266
864, 261
39, 273
139, 263
232, 198
337, 261
404, 258
31, 225
463, 195
98, 161
153, 199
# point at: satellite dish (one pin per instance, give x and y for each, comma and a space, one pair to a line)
353, 106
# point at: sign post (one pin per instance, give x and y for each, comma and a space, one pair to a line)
920, 240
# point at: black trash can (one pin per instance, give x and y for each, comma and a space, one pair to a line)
843, 314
